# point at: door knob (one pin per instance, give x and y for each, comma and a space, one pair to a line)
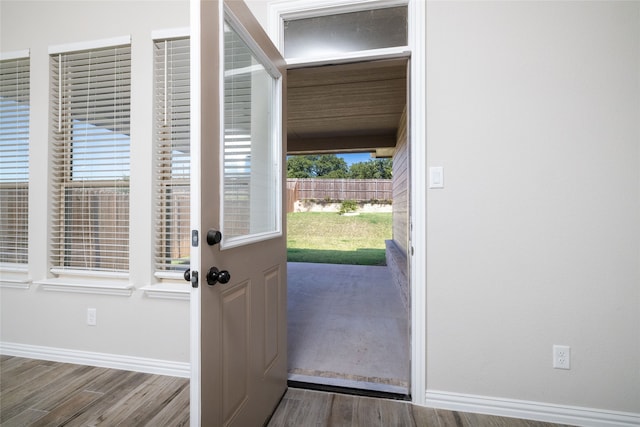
214, 276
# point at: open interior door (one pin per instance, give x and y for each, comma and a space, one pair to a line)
238, 254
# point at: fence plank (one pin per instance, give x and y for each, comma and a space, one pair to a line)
360, 190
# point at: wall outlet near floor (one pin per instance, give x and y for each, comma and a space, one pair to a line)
561, 357
91, 316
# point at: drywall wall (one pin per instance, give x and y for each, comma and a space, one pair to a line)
137, 325
533, 110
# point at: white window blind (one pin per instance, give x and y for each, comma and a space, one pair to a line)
90, 138
14, 160
172, 141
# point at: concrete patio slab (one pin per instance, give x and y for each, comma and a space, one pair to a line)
347, 325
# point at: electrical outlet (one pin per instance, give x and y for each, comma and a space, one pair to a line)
91, 316
561, 357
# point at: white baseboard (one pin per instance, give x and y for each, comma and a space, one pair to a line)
538, 411
103, 360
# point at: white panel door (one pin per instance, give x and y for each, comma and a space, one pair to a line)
238, 309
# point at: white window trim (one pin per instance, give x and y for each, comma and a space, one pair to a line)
170, 33
16, 54
89, 286
164, 290
350, 57
8, 282
168, 285
88, 282
169, 275
89, 45
14, 276
94, 282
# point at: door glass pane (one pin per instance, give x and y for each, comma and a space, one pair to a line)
345, 32
251, 183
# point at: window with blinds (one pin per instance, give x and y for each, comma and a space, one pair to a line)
14, 160
172, 142
90, 139
251, 208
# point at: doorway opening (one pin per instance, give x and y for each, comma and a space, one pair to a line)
349, 324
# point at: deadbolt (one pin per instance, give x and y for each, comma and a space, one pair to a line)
213, 237
191, 276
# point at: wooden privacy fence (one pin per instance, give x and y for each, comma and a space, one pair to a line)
14, 199
93, 231
360, 190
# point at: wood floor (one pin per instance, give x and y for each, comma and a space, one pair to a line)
42, 393
312, 408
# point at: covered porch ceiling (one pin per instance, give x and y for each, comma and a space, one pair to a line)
346, 107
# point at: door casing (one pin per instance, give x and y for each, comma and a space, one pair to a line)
278, 12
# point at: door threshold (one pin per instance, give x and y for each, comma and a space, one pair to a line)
342, 386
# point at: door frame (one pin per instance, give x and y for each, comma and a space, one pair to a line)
417, 149
195, 177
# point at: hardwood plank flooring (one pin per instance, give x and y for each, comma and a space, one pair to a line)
43, 393
313, 408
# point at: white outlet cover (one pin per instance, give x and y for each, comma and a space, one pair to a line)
561, 357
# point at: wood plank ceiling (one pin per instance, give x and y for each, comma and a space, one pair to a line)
346, 107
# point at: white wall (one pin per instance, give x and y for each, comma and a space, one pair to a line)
533, 109
135, 326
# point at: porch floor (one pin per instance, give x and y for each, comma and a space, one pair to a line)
347, 327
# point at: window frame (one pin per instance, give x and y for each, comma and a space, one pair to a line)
275, 137
161, 241
61, 185
15, 273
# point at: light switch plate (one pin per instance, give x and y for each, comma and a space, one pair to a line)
91, 316
436, 177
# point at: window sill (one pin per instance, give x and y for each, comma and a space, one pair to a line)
87, 286
14, 277
174, 291
6, 282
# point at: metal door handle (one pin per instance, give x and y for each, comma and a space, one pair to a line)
214, 276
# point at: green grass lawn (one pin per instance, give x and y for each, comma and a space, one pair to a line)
326, 237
